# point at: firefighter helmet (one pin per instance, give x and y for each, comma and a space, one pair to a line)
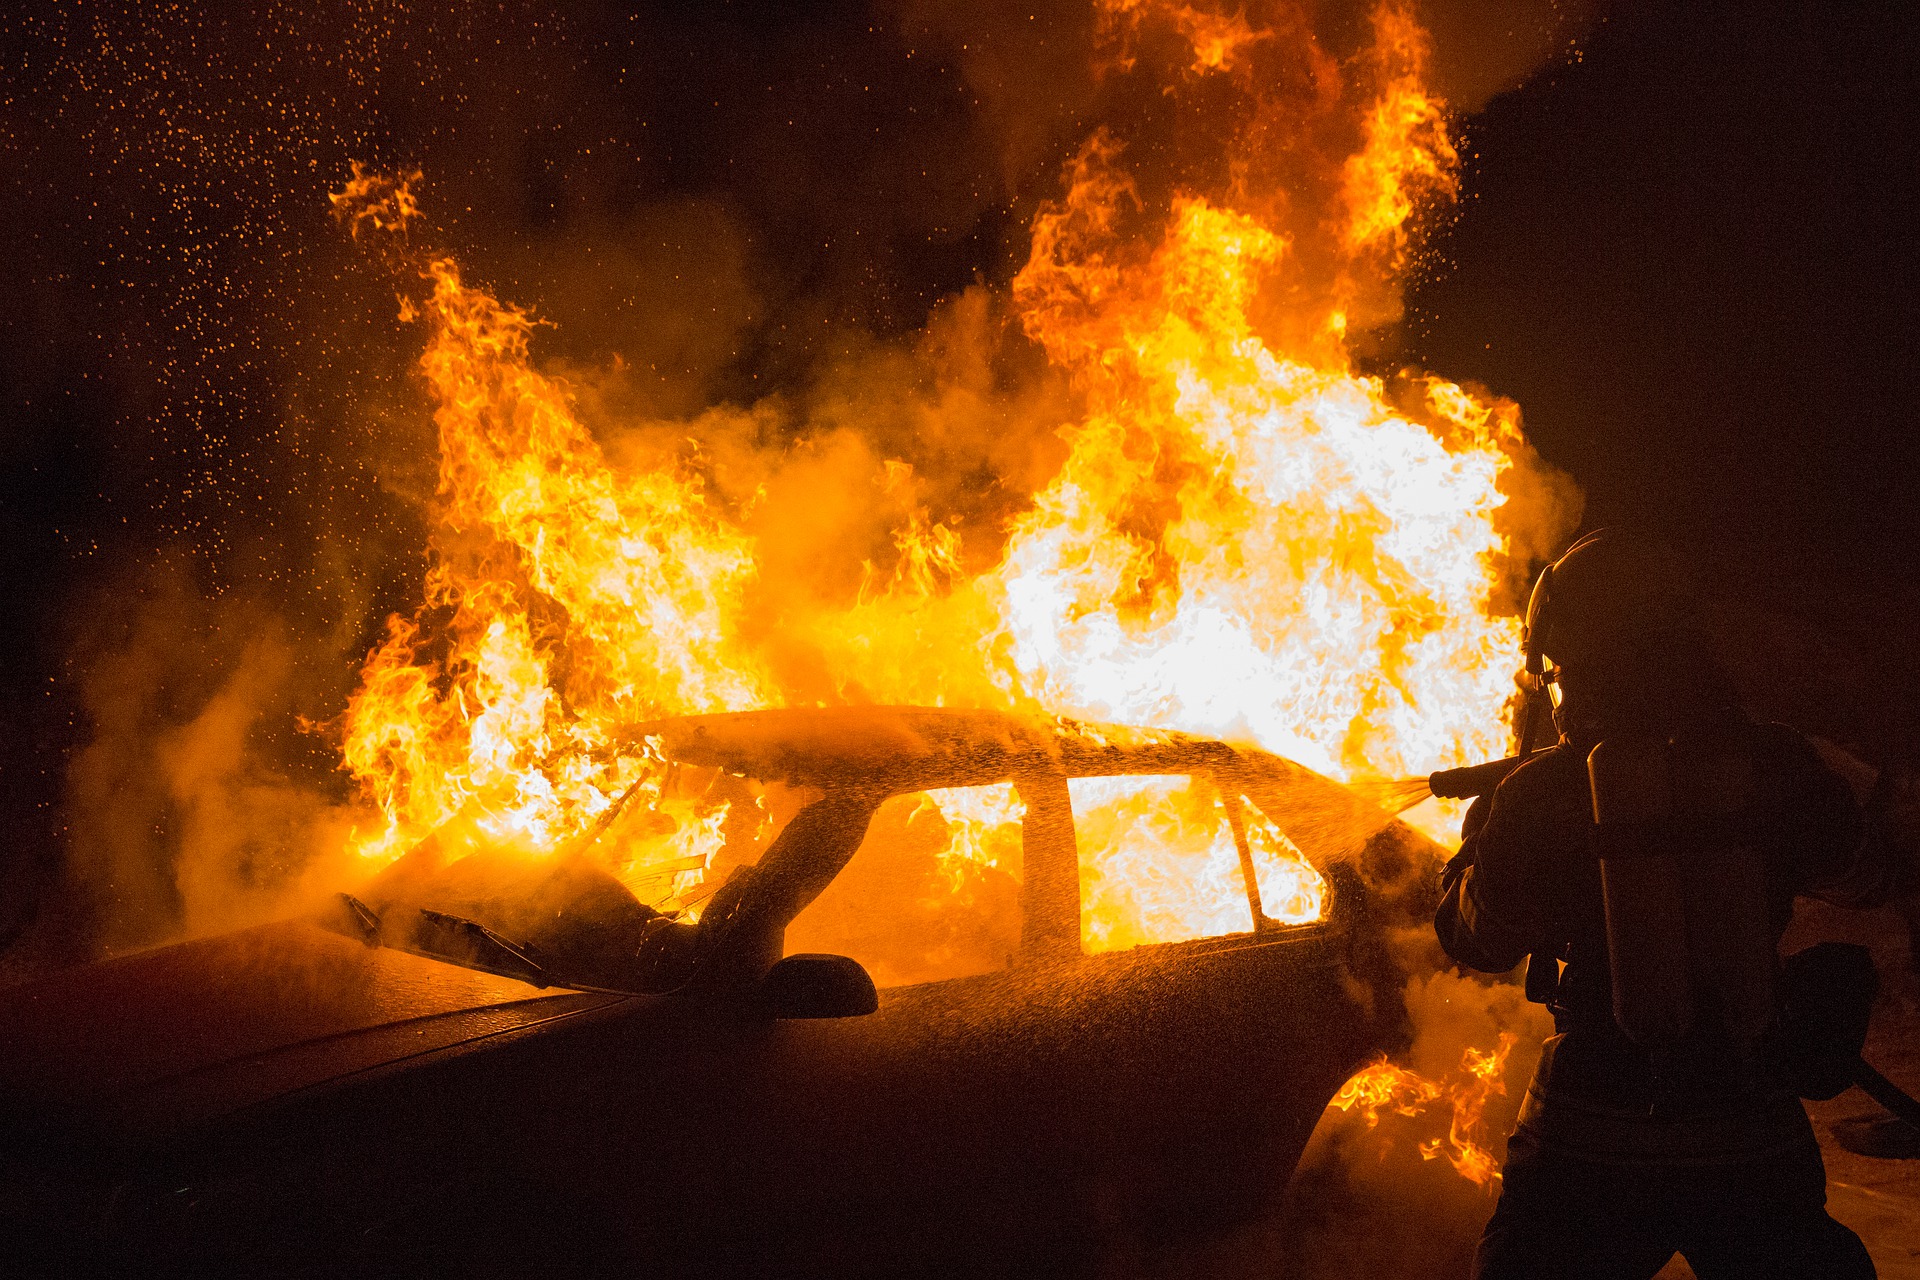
1608, 594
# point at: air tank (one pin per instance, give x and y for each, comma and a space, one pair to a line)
1643, 890
1689, 940
1730, 937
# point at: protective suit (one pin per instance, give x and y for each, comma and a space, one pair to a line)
1641, 1140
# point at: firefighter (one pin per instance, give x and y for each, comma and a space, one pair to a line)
1646, 867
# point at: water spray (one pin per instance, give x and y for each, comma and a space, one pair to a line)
1468, 782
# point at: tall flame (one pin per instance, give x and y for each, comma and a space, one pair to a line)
1248, 537
1245, 540
571, 601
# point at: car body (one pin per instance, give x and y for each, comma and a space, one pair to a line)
296, 1099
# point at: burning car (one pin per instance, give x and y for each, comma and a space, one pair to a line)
475, 1063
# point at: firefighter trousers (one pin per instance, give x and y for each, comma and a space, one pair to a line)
1562, 1218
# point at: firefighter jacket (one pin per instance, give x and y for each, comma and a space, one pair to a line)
1527, 882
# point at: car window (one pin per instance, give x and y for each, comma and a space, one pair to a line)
673, 848
932, 894
934, 891
1159, 863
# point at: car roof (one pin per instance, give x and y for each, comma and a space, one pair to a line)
917, 748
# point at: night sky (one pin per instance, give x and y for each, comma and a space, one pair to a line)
1685, 247
1689, 256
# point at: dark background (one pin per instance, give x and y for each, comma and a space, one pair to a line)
1689, 256
1685, 247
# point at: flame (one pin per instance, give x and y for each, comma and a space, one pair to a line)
376, 201
1381, 1088
1248, 537
1408, 156
983, 828
506, 725
1464, 1147
1218, 40
1245, 541
1159, 864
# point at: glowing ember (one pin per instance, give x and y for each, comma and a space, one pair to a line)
1247, 538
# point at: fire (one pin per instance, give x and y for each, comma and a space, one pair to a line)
983, 825
1408, 155
535, 526
1249, 537
1218, 40
1463, 1147
1162, 864
1385, 1087
1382, 1088
1246, 541
376, 201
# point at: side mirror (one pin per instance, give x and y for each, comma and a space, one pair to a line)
817, 986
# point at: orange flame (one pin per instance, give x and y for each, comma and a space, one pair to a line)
1383, 1088
1408, 156
1248, 538
1218, 40
1243, 540
376, 201
534, 527
1464, 1147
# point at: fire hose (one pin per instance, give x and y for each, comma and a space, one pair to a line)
1886, 1092
1470, 782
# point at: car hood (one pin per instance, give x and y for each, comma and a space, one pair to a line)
133, 1047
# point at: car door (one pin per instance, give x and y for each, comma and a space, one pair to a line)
1070, 1105
1059, 1111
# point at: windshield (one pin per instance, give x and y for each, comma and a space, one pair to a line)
619, 910
562, 922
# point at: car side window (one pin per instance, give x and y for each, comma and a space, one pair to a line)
1160, 862
932, 894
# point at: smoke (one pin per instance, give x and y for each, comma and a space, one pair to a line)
1041, 68
896, 445
197, 804
1482, 48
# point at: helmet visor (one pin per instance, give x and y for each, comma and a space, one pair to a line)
1533, 633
